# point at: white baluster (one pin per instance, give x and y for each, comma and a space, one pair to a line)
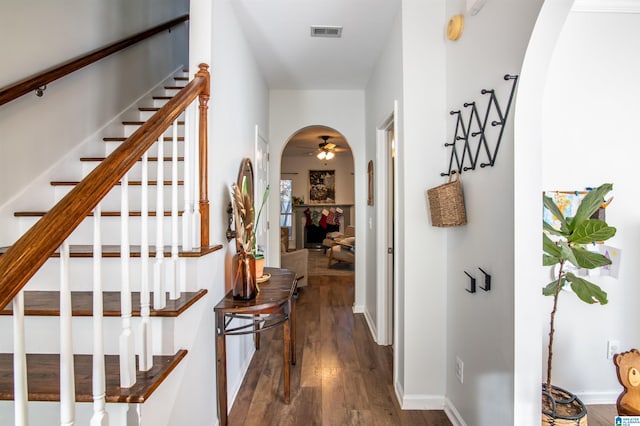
145, 360
159, 298
187, 243
127, 354
100, 416
174, 292
67, 383
20, 398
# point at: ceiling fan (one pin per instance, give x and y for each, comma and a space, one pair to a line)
327, 150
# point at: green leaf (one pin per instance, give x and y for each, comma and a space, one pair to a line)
588, 259
590, 203
590, 230
549, 247
552, 287
587, 291
547, 227
550, 205
549, 260
567, 253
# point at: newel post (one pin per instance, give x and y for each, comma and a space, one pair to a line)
203, 143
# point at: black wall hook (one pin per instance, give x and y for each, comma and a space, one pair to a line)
472, 283
487, 280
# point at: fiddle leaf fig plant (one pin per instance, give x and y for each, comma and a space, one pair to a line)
567, 245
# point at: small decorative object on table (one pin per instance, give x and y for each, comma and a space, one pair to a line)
244, 263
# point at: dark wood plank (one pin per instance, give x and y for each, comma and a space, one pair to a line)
43, 375
47, 303
342, 377
131, 183
151, 159
103, 214
122, 139
601, 415
140, 123
86, 250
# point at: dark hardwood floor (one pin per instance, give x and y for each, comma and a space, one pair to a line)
341, 378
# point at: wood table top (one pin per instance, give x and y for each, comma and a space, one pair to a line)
273, 293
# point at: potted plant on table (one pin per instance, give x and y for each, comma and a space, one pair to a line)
567, 246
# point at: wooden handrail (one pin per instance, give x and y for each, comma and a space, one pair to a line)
32, 83
23, 259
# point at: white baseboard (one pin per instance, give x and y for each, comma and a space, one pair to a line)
372, 326
418, 402
596, 398
453, 414
358, 309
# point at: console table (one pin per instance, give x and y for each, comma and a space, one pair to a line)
273, 306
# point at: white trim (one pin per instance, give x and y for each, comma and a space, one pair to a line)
606, 6
595, 398
423, 402
358, 309
372, 326
453, 414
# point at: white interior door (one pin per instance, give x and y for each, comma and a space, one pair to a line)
261, 171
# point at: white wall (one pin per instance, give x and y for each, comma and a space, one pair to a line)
239, 101
37, 132
480, 326
297, 169
342, 110
383, 89
421, 254
589, 137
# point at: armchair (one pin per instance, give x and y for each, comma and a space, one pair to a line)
296, 261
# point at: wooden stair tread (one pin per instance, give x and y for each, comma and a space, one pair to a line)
104, 214
140, 123
167, 159
131, 183
173, 87
86, 250
47, 303
148, 109
181, 78
43, 375
162, 98
122, 139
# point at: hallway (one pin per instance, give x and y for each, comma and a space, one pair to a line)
342, 377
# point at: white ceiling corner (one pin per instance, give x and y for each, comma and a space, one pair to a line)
607, 6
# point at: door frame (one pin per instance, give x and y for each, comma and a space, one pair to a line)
386, 292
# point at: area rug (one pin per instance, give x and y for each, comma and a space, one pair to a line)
318, 265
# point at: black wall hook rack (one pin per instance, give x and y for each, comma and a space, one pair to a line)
472, 283
466, 158
487, 281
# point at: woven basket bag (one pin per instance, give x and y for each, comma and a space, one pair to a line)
446, 203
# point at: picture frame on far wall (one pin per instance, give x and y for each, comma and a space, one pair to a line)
322, 186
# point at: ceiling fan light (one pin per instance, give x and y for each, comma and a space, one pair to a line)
330, 155
321, 155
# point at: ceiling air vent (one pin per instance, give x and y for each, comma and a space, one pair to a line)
326, 31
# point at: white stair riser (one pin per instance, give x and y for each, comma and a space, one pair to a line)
136, 172
81, 274
153, 151
130, 128
145, 115
111, 202
110, 227
42, 334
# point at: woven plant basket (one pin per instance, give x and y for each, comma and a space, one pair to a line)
562, 408
446, 203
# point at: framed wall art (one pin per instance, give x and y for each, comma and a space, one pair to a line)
370, 187
322, 186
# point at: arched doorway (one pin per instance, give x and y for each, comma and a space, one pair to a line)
317, 187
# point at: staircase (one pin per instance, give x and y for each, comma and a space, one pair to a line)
106, 320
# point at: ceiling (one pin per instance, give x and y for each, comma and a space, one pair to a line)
278, 32
306, 142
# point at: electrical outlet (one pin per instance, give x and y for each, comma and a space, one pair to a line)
460, 369
613, 347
